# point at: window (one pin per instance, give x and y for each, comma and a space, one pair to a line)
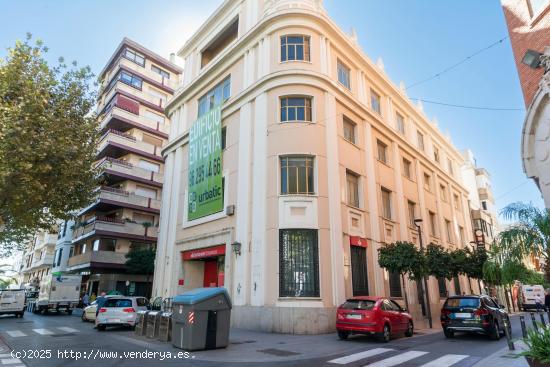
343, 74
295, 48
456, 201
443, 192
407, 170
95, 246
427, 182
449, 231
450, 166
126, 78
224, 137
375, 102
353, 189
395, 284
298, 263
297, 175
461, 234
442, 287
349, 130
400, 123
146, 192
118, 303
295, 109
382, 151
484, 205
161, 72
386, 203
134, 56
215, 96
433, 228
412, 212
436, 154
420, 140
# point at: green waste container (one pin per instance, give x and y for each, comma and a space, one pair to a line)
200, 319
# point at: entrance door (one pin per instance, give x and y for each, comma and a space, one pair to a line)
359, 277
211, 273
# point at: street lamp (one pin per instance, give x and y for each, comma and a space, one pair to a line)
425, 294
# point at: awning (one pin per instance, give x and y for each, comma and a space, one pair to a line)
202, 253
357, 241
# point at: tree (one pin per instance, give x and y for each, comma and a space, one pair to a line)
141, 260
530, 234
47, 142
402, 258
438, 261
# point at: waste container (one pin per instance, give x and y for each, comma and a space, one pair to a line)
165, 327
200, 319
153, 322
141, 323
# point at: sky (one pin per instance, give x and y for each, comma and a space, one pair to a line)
415, 40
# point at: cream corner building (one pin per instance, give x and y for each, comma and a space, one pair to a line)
324, 160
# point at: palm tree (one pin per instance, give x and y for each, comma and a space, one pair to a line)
530, 235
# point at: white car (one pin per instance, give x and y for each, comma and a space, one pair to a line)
89, 312
12, 301
120, 311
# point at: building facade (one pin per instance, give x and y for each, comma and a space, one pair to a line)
528, 25
37, 258
63, 246
135, 85
324, 159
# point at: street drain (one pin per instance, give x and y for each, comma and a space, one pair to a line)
278, 352
62, 335
243, 342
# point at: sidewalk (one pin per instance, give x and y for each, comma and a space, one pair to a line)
6, 359
505, 357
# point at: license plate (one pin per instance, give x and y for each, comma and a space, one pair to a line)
113, 321
353, 316
463, 315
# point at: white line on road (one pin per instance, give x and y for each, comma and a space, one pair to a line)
42, 331
392, 361
361, 355
15, 333
68, 329
7, 355
10, 361
445, 361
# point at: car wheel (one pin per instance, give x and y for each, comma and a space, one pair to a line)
495, 331
410, 330
448, 333
386, 334
101, 327
343, 335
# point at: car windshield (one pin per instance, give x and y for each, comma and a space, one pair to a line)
118, 303
463, 302
355, 304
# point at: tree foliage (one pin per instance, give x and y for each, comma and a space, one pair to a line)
47, 142
402, 258
474, 266
438, 261
141, 260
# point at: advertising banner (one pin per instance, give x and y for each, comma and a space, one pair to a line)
205, 191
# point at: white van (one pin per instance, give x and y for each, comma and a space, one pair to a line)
12, 301
58, 293
528, 293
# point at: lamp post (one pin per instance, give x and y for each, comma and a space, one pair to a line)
424, 286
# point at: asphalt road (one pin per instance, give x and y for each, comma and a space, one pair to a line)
52, 338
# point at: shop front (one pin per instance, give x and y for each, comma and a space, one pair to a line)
204, 267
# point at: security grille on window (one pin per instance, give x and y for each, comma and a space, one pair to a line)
295, 48
395, 285
215, 96
375, 102
343, 74
353, 189
295, 109
297, 175
298, 263
349, 130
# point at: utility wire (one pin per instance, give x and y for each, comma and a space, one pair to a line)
468, 107
512, 189
457, 64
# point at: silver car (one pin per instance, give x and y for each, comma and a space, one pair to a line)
120, 311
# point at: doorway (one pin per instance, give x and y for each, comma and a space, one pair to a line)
359, 275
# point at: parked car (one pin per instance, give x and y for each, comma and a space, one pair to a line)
12, 301
120, 311
377, 316
479, 314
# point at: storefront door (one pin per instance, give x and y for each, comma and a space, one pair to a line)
359, 277
211, 273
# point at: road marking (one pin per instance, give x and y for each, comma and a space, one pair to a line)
15, 333
10, 361
68, 329
445, 361
392, 361
361, 355
42, 331
7, 355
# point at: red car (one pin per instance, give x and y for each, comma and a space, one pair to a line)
377, 316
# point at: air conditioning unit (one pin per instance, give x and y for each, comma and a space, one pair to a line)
230, 210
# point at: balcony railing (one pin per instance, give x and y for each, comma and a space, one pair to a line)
103, 257
114, 226
46, 260
120, 113
119, 138
127, 169
125, 197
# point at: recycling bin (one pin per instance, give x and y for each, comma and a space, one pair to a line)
153, 322
165, 327
200, 319
141, 323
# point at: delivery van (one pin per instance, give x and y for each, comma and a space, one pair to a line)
528, 293
12, 301
58, 293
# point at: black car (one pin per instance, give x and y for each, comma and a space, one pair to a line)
480, 314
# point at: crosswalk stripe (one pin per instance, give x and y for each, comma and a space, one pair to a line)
392, 361
68, 329
7, 355
10, 361
15, 333
445, 361
361, 355
42, 331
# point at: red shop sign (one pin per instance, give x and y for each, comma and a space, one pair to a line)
203, 253
357, 241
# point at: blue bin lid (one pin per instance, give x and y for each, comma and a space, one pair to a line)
200, 294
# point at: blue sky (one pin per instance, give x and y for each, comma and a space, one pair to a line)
415, 39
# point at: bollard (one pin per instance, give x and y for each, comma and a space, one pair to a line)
507, 330
534, 322
541, 314
523, 327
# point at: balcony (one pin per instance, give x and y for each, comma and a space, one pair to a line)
116, 143
46, 260
109, 198
119, 118
117, 170
115, 228
485, 194
136, 94
105, 259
